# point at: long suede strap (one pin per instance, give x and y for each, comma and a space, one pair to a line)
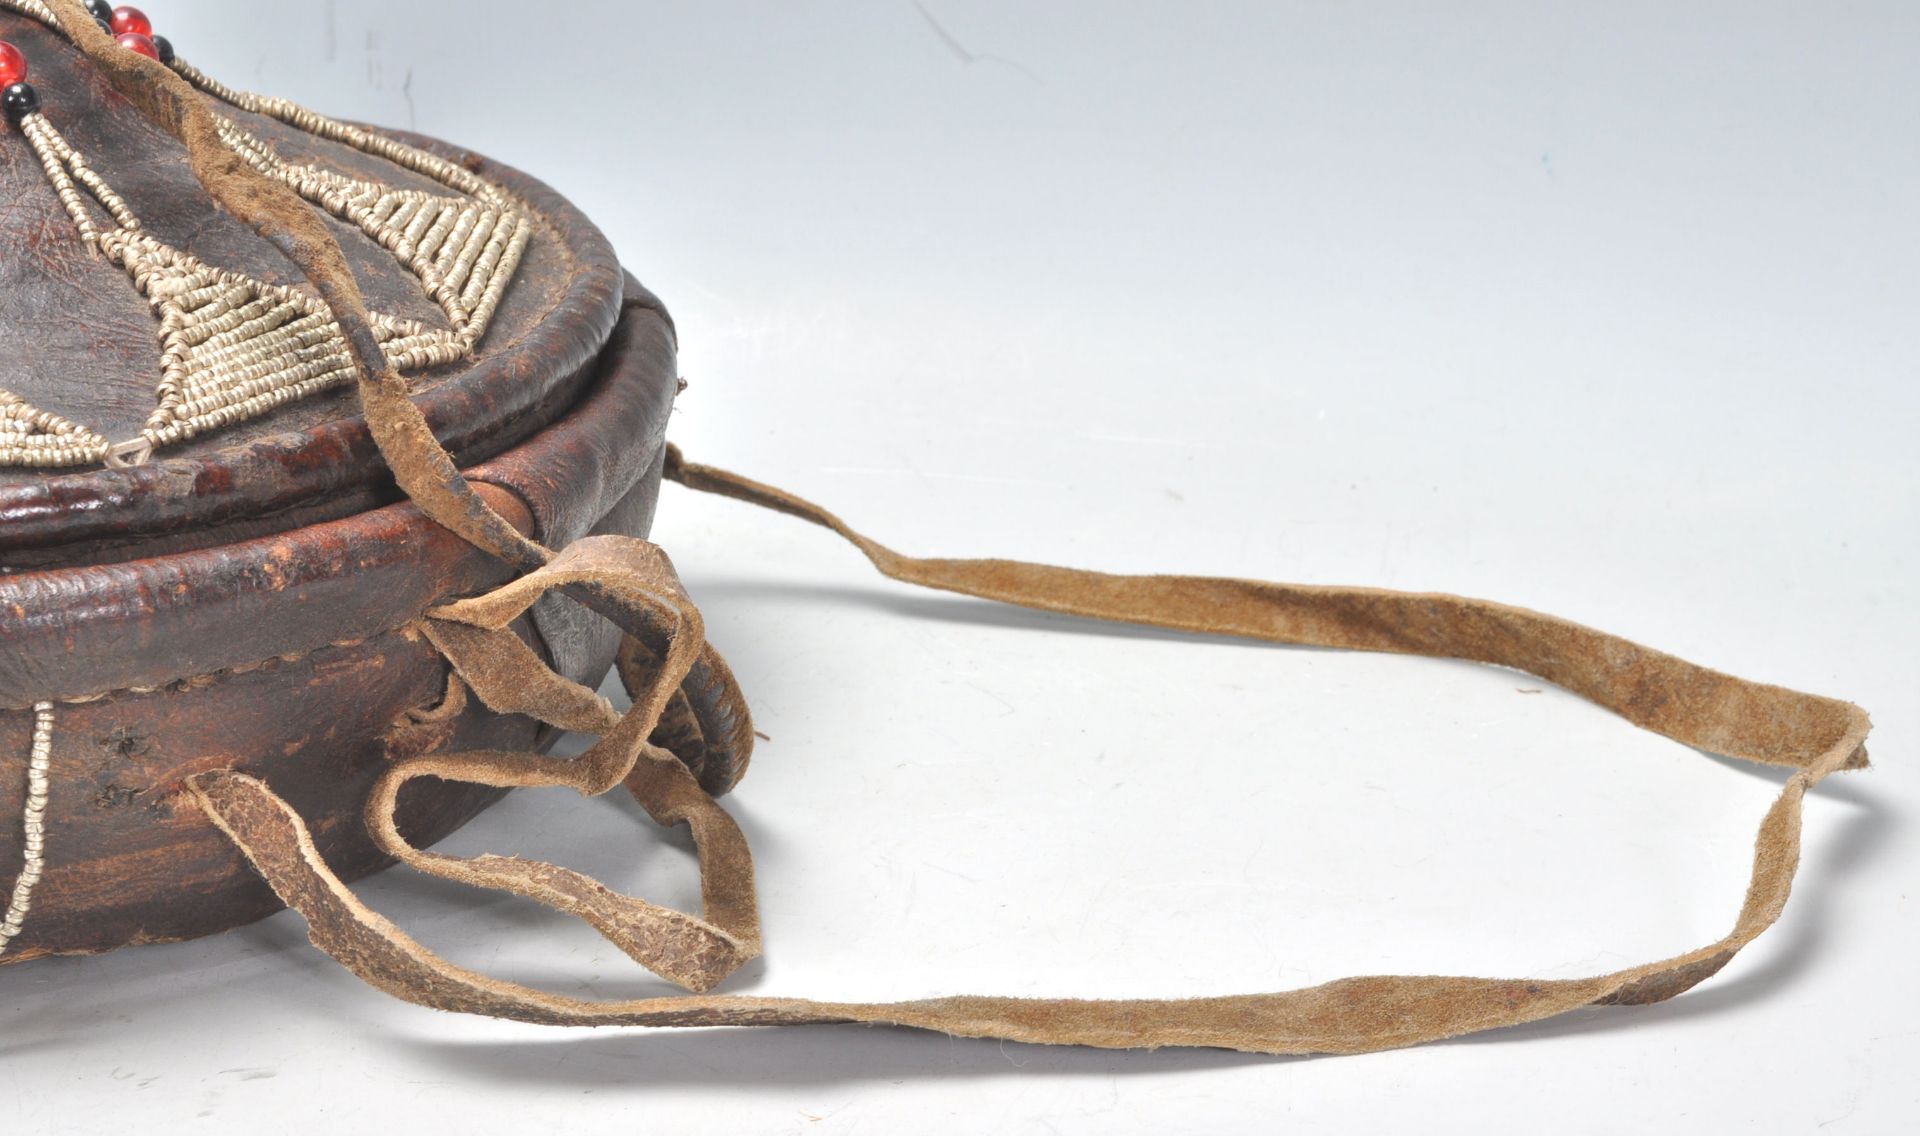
666, 663
1704, 708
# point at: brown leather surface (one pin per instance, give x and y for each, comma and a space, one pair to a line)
75, 632
80, 341
134, 864
563, 497
289, 657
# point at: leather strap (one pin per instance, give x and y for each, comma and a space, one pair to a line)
670, 671
1814, 735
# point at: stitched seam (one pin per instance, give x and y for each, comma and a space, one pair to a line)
202, 681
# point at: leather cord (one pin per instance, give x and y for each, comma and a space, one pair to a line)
674, 676
1813, 735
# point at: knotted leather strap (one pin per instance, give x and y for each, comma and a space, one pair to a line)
633, 581
1689, 703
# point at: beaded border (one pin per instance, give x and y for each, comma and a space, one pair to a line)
33, 821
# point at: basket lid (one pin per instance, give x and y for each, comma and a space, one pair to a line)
168, 380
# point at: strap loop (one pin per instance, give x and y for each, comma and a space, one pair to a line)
635, 580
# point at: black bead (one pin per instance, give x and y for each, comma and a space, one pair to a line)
19, 101
101, 10
163, 49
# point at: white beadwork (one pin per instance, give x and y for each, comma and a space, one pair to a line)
33, 822
233, 347
29, 436
463, 249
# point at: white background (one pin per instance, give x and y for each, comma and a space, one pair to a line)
1608, 311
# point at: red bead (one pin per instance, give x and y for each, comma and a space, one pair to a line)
131, 21
134, 42
13, 65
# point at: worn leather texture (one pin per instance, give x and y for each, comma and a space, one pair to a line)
81, 342
251, 599
295, 657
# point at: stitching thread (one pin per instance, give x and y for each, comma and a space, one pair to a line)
409, 630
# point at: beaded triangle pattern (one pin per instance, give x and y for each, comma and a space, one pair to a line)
31, 436
463, 249
233, 347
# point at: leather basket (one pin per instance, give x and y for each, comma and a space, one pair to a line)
250, 599
348, 570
